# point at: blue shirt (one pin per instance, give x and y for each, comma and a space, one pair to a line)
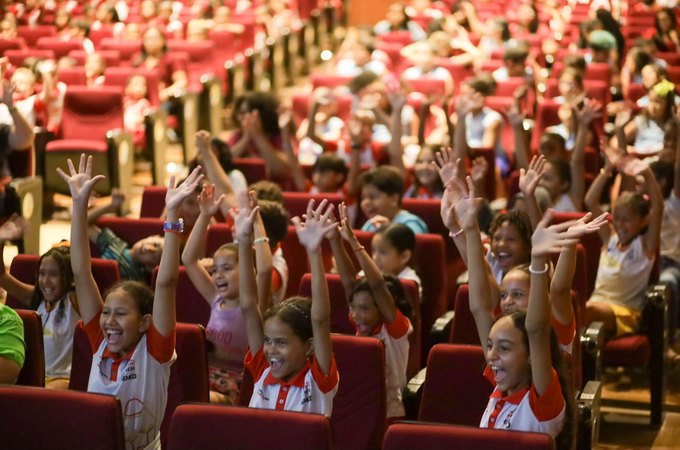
415, 223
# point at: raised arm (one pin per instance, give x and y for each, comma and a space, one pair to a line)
215, 172
343, 262
21, 135
516, 120
168, 269
589, 112
296, 172
481, 301
560, 285
594, 194
464, 105
652, 237
193, 250
528, 181
543, 242
12, 230
81, 183
264, 263
276, 160
243, 233
311, 233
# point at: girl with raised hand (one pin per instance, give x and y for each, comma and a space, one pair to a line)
290, 356
52, 297
379, 308
220, 288
132, 332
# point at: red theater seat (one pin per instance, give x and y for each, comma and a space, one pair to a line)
33, 371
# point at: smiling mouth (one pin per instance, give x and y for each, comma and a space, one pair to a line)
114, 337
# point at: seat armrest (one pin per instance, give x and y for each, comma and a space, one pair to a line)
121, 162
156, 124
188, 123
592, 342
30, 192
441, 328
588, 407
655, 325
210, 105
412, 394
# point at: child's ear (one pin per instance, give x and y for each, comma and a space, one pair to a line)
405, 257
395, 198
145, 323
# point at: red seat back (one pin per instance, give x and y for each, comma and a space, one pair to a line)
407, 436
91, 113
111, 57
126, 48
296, 202
188, 374
329, 80
455, 390
191, 307
16, 43
33, 371
153, 201
60, 47
463, 329
32, 33
203, 426
254, 169
72, 76
17, 57
86, 418
430, 87
301, 102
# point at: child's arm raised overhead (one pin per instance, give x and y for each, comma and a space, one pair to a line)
215, 172
12, 230
560, 285
652, 237
594, 194
481, 292
589, 112
81, 183
528, 181
376, 282
243, 233
264, 263
397, 101
344, 264
543, 242
516, 119
194, 248
311, 233
168, 269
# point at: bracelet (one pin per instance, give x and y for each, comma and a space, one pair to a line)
455, 234
539, 272
359, 248
174, 227
261, 239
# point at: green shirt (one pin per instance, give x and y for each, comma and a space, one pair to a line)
12, 335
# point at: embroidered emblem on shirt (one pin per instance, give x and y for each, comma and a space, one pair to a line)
307, 394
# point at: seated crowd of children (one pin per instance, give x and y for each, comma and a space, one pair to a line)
525, 115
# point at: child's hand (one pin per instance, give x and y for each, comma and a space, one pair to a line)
203, 140
80, 182
529, 179
514, 115
7, 94
354, 127
479, 169
334, 232
397, 100
344, 227
589, 112
13, 228
466, 208
466, 103
256, 124
582, 226
207, 204
117, 198
244, 217
176, 194
550, 239
312, 231
623, 117
446, 166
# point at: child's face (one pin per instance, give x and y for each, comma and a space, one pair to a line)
225, 274
388, 259
514, 291
656, 107
424, 170
649, 77
122, 323
153, 40
566, 115
508, 246
49, 280
23, 83
627, 223
136, 87
365, 313
395, 14
147, 252
552, 183
665, 21
377, 203
94, 65
327, 180
567, 86
551, 149
525, 14
286, 353
508, 357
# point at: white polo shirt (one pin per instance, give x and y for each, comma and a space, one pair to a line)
525, 410
309, 391
139, 380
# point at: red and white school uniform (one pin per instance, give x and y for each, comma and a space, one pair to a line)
395, 338
139, 379
309, 391
525, 410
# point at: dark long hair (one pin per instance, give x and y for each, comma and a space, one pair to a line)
62, 256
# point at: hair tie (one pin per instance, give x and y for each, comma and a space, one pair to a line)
663, 88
